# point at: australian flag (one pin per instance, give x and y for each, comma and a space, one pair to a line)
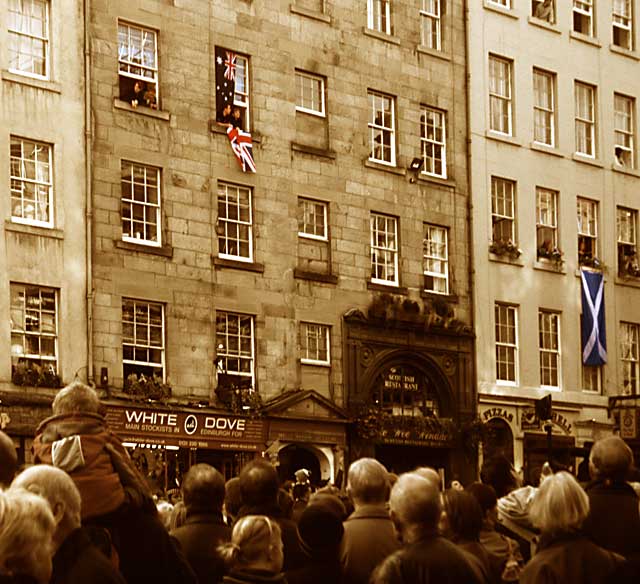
242, 147
594, 340
225, 81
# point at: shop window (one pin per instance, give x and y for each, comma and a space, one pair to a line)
140, 203
143, 340
28, 38
138, 65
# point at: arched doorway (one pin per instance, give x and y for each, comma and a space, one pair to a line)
498, 439
296, 456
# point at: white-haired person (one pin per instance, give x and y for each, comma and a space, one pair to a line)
565, 554
26, 538
255, 553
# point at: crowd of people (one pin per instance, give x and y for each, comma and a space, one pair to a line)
83, 514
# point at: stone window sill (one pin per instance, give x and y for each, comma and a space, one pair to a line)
625, 170
452, 298
216, 128
382, 36
164, 250
624, 52
578, 36
145, 111
44, 84
322, 152
386, 168
309, 13
627, 281
506, 260
36, 230
444, 182
549, 266
315, 276
390, 289
586, 160
237, 265
544, 24
546, 149
492, 135
305, 363
444, 55
500, 10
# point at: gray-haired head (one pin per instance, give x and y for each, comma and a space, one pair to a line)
610, 458
415, 505
368, 482
77, 397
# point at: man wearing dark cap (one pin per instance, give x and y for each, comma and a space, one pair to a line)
203, 491
614, 519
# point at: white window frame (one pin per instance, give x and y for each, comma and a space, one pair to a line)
501, 94
630, 357
587, 216
149, 209
435, 255
33, 38
313, 85
226, 355
433, 141
550, 352
384, 244
551, 17
622, 22
312, 338
227, 223
585, 120
241, 97
507, 345
583, 9
378, 103
501, 3
624, 127
544, 106
41, 181
28, 320
141, 322
379, 16
627, 239
431, 24
503, 207
308, 212
547, 216
126, 59
595, 370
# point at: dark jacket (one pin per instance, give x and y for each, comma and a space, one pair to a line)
571, 559
294, 557
78, 561
368, 539
199, 537
614, 519
254, 577
431, 560
480, 561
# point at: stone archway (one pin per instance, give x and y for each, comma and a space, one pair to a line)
498, 439
292, 457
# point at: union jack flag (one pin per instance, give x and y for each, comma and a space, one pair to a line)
242, 147
230, 66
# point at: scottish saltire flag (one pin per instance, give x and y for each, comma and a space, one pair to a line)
594, 340
242, 147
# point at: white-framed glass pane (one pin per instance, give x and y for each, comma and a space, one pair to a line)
31, 182
549, 346
384, 249
235, 222
379, 15
500, 95
546, 222
585, 119
315, 343
241, 95
544, 107
629, 357
583, 17
28, 37
622, 19
503, 210
433, 140
382, 128
312, 219
140, 203
626, 226
624, 134
138, 65
435, 252
506, 323
235, 347
587, 216
431, 24
544, 10
310, 93
143, 339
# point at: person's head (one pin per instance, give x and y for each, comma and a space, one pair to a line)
256, 542
367, 482
610, 459
8, 460
331, 502
203, 489
139, 86
415, 506
462, 517
259, 483
26, 532
59, 490
232, 497
226, 110
75, 398
486, 497
498, 472
301, 491
430, 474
320, 530
236, 113
560, 505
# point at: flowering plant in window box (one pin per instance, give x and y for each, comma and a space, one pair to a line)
28, 374
505, 248
238, 396
147, 387
550, 253
629, 266
590, 262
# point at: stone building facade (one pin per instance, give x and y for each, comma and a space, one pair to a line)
228, 285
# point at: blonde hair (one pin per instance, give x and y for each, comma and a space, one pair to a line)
251, 539
76, 398
560, 505
26, 522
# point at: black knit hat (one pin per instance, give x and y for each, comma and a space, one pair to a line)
320, 530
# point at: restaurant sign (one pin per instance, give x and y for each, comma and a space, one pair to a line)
186, 429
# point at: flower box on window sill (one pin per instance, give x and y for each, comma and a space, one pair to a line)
505, 249
630, 269
554, 255
591, 262
237, 398
141, 109
34, 375
147, 387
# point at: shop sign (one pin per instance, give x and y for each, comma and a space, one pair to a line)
186, 429
628, 424
497, 413
415, 438
298, 431
529, 420
396, 378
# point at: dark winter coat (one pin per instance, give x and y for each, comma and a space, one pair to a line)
571, 559
431, 560
254, 577
78, 561
614, 519
199, 537
368, 539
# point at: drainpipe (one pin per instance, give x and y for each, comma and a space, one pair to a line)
88, 148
